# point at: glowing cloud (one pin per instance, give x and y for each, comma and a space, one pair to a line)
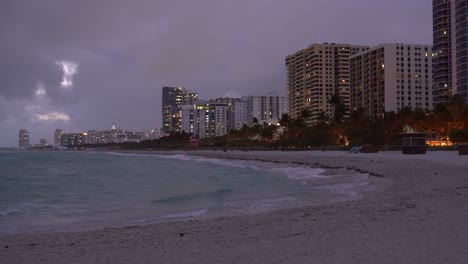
40, 89
54, 116
69, 69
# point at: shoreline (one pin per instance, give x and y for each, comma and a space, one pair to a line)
419, 217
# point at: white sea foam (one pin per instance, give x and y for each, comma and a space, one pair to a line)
20, 209
351, 189
259, 206
176, 156
223, 162
190, 214
301, 173
127, 154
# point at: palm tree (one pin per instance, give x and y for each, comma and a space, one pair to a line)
285, 121
339, 109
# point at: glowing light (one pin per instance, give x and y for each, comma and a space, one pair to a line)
40, 89
54, 116
69, 69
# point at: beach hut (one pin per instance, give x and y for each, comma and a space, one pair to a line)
413, 143
194, 143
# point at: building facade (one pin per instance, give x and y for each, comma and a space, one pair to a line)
43, 142
241, 113
389, 77
315, 74
231, 110
23, 142
57, 134
188, 118
266, 109
172, 99
73, 139
210, 119
450, 37
442, 39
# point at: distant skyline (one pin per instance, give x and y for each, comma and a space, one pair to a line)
79, 65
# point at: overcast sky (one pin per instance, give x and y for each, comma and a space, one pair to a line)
86, 64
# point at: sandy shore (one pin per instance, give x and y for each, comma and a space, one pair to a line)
420, 217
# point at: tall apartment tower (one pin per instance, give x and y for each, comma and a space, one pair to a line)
241, 113
231, 103
315, 74
57, 134
172, 99
450, 37
211, 119
390, 77
23, 141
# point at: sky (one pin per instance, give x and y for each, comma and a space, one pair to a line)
81, 65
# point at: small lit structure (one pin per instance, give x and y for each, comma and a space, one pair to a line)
194, 143
413, 143
443, 142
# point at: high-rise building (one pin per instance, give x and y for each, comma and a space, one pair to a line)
172, 99
210, 119
188, 118
152, 134
23, 139
315, 74
442, 39
43, 142
266, 109
241, 113
73, 139
389, 77
450, 36
231, 103
57, 135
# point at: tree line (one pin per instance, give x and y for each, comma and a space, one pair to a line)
446, 122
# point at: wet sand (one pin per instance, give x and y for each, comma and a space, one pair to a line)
420, 215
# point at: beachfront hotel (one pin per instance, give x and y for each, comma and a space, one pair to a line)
389, 77
450, 37
315, 74
172, 99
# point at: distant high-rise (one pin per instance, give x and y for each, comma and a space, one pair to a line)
264, 109
315, 74
57, 134
450, 36
389, 77
23, 139
172, 99
442, 38
43, 142
210, 119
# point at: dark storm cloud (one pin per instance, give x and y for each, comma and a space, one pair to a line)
127, 50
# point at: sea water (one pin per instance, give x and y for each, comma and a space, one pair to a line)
72, 191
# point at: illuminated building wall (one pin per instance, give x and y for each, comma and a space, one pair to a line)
389, 77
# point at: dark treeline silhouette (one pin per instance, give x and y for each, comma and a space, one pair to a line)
446, 121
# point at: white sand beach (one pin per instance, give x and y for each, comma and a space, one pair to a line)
420, 215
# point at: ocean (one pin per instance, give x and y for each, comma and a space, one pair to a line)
72, 191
